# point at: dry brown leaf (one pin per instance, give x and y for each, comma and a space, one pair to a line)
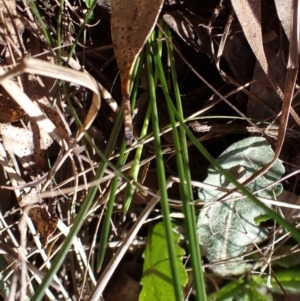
14, 177
28, 145
44, 221
31, 198
262, 88
19, 141
284, 8
249, 16
54, 71
188, 28
41, 142
131, 24
9, 110
11, 26
55, 118
9, 114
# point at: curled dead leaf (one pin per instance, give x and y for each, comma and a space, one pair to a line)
131, 24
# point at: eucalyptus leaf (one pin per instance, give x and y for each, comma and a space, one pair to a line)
227, 229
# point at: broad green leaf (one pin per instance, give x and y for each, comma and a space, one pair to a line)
243, 290
229, 228
228, 291
289, 279
255, 289
157, 277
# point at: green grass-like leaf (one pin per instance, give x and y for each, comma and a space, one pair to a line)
161, 175
89, 3
183, 166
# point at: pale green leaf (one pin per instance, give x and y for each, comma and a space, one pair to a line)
229, 228
243, 290
157, 277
